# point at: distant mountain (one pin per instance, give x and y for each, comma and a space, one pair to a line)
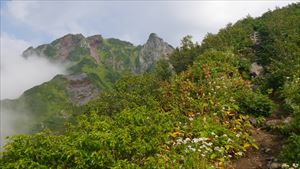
117, 54
94, 64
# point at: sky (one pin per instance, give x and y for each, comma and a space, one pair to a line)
32, 23
38, 22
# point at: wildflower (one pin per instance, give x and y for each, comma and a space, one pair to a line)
217, 148
186, 140
193, 149
240, 153
209, 144
238, 135
196, 140
284, 165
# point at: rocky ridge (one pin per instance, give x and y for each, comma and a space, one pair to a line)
118, 54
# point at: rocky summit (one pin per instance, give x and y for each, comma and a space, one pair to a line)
115, 53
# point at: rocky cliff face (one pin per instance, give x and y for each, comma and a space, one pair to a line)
62, 49
118, 54
154, 49
80, 88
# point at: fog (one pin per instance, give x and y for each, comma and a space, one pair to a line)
17, 75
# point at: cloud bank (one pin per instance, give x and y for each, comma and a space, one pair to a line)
19, 74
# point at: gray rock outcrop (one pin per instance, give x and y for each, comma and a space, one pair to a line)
154, 49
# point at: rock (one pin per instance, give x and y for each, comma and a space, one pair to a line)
81, 89
252, 120
287, 120
254, 87
94, 42
273, 123
270, 158
275, 165
59, 50
255, 69
154, 49
267, 150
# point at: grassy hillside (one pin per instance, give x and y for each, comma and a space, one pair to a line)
198, 117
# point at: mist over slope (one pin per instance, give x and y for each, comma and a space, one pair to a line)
17, 75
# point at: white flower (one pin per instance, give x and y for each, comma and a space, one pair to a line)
295, 165
217, 148
209, 144
284, 165
240, 153
193, 149
238, 135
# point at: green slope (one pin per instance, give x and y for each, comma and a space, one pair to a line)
100, 62
197, 118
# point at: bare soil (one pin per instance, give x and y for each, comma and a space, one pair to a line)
269, 148
269, 143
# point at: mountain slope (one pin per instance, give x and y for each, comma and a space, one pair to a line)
94, 64
201, 117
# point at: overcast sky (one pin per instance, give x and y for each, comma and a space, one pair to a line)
39, 22
32, 23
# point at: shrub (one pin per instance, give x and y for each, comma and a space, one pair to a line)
291, 150
254, 103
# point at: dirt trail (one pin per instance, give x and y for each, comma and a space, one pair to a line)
270, 144
269, 148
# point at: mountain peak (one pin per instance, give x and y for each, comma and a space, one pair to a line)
154, 49
154, 37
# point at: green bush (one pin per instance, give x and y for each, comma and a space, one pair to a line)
291, 150
255, 103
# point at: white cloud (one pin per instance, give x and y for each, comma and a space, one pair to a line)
134, 20
19, 74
